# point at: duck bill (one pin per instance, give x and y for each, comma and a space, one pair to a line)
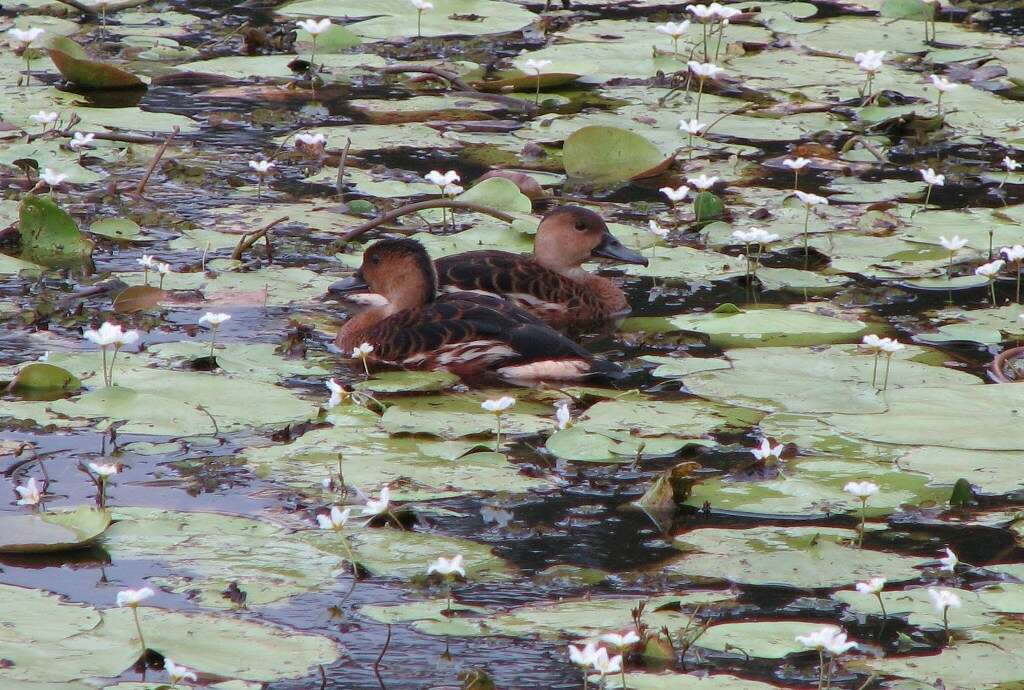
353, 285
611, 248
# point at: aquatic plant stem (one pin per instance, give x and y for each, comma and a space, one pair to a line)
28, 68
366, 367
700, 92
796, 179
927, 197
863, 520
1018, 281
874, 372
807, 220
106, 376
110, 378
497, 438
213, 338
888, 362
419, 23
938, 106
622, 669
949, 268
704, 29
312, 56
881, 604
536, 95
992, 289
138, 629
821, 669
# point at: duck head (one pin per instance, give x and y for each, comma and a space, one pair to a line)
572, 235
399, 270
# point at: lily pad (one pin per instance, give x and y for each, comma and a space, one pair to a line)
608, 155
40, 377
796, 557
49, 235
64, 530
78, 68
759, 640
770, 327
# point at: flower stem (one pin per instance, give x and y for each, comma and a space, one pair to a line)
1018, 281
497, 438
700, 92
863, 521
704, 29
945, 623
882, 605
366, 367
106, 377
928, 196
536, 96
138, 629
874, 372
992, 287
796, 179
312, 57
888, 362
213, 339
807, 220
938, 105
28, 68
949, 269
821, 669
419, 23
117, 348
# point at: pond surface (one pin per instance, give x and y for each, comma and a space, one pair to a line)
648, 512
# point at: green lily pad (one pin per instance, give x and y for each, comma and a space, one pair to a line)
917, 606
49, 235
116, 228
207, 551
386, 382
759, 640
799, 557
498, 193
608, 155
42, 377
682, 681
63, 530
770, 327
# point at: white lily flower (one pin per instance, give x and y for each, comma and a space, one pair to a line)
584, 657
536, 66
162, 268
672, 29
43, 118
1010, 164
563, 416
177, 673
870, 61
30, 495
498, 406
378, 506
605, 666
52, 177
261, 167
891, 346
111, 334
146, 260
929, 176
726, 13
943, 84
314, 27
704, 69
950, 561
767, 450
954, 243
81, 141
811, 199
443, 179
134, 597
675, 193
334, 520
873, 586
703, 182
862, 490
702, 12
447, 566
104, 470
991, 269
944, 599
338, 393
422, 5
362, 350
620, 641
452, 190
798, 163
1014, 253
656, 229
214, 320
693, 127
829, 638
874, 343
315, 139
25, 36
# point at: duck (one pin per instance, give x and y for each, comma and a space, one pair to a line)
552, 284
466, 333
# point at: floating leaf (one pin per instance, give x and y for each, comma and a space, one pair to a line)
116, 228
78, 68
40, 377
49, 235
63, 530
138, 298
609, 155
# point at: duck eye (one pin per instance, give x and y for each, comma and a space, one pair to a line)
374, 260
581, 225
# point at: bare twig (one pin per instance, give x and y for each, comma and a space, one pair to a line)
457, 84
249, 239
156, 161
341, 170
422, 206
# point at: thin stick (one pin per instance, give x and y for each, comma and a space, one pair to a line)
248, 240
156, 161
457, 84
341, 170
421, 206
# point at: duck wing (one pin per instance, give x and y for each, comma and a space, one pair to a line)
468, 333
509, 275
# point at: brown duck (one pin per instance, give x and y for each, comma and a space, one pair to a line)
551, 284
463, 332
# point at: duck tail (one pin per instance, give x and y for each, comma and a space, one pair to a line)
604, 370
